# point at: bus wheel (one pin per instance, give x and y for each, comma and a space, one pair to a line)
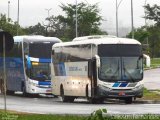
100, 100
25, 94
9, 92
71, 99
128, 100
93, 100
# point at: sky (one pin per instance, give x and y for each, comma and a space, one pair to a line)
34, 11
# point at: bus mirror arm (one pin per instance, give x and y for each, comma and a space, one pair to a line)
97, 60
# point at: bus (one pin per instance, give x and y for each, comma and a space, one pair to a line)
97, 68
28, 65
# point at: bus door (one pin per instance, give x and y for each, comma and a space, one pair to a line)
92, 73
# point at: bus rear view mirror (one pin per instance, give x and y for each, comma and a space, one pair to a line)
147, 60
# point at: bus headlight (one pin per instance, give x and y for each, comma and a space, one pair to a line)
105, 88
138, 87
33, 84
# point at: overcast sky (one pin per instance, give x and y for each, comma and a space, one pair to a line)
33, 11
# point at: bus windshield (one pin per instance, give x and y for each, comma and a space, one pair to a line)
40, 71
40, 50
121, 69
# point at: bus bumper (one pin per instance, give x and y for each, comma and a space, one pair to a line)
39, 90
120, 93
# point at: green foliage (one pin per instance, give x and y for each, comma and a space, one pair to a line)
50, 117
150, 95
150, 35
63, 27
140, 34
88, 19
36, 30
8, 116
155, 62
9, 26
98, 115
152, 13
154, 41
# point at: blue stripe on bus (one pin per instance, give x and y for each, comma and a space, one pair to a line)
123, 84
44, 60
29, 62
44, 83
116, 84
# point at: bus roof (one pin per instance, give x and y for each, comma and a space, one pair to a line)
98, 39
36, 38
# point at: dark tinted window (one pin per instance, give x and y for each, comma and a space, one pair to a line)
16, 50
40, 50
113, 50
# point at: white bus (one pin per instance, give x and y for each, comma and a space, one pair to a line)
28, 65
97, 67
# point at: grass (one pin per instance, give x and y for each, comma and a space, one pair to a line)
155, 62
100, 114
12, 115
150, 95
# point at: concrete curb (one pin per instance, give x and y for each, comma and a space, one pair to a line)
147, 101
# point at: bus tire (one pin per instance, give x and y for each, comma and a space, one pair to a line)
128, 100
9, 92
100, 100
25, 94
92, 100
70, 99
96, 100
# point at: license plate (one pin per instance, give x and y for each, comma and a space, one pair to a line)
48, 91
121, 93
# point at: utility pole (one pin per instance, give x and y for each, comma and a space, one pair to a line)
48, 10
76, 21
145, 19
4, 72
48, 26
117, 6
8, 9
132, 19
18, 19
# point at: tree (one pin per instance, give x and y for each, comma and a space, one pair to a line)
154, 40
140, 34
88, 19
9, 26
55, 27
153, 13
36, 30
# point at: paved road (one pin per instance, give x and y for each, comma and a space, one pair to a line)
152, 79
81, 106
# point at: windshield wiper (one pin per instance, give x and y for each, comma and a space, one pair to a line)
114, 75
126, 71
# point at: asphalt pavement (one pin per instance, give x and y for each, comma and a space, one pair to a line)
152, 79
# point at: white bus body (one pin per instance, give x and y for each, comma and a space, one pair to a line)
97, 67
